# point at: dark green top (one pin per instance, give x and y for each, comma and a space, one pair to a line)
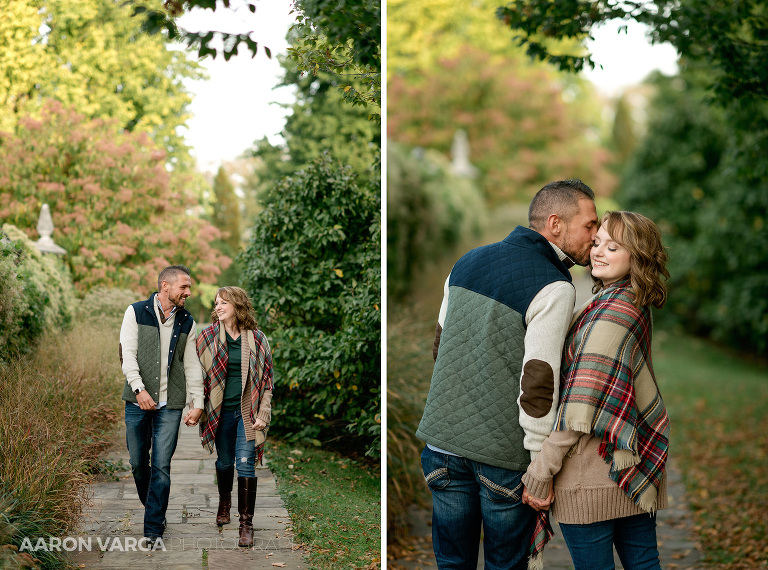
234, 386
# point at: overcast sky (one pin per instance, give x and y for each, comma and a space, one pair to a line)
628, 58
233, 108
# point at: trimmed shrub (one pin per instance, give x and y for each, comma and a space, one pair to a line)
313, 271
107, 305
429, 212
35, 292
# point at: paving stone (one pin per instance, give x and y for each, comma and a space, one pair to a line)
192, 538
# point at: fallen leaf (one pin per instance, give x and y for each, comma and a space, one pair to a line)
279, 564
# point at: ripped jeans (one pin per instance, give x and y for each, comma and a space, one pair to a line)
232, 449
467, 494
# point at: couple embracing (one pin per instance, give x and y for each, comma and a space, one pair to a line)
224, 375
536, 409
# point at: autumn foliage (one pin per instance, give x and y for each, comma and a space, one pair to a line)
117, 210
522, 131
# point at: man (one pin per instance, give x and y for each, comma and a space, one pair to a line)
495, 386
162, 375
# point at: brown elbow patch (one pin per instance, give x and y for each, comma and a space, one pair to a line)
538, 388
436, 343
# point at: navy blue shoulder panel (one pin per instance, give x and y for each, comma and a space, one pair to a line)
145, 315
511, 271
145, 312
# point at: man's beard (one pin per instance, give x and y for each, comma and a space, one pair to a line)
582, 260
178, 301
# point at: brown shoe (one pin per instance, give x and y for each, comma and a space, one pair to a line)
246, 503
224, 480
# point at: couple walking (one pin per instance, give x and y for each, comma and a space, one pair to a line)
225, 375
533, 408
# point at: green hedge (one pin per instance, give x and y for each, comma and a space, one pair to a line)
35, 293
429, 211
313, 270
701, 174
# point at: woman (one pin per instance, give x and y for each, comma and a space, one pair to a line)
237, 366
608, 451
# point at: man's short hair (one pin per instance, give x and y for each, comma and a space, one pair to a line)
171, 273
560, 198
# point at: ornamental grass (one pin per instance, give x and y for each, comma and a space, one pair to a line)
57, 409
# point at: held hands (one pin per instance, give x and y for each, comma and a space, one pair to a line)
259, 424
539, 504
193, 416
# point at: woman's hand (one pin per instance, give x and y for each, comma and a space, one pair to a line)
538, 504
193, 416
259, 424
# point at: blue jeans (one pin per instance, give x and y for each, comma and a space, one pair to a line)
158, 431
232, 449
466, 494
591, 545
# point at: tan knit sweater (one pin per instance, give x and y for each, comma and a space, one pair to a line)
265, 403
584, 491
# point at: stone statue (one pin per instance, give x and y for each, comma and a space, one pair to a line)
45, 228
460, 154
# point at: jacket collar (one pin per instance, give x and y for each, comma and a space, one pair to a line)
528, 238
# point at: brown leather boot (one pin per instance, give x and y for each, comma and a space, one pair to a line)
246, 503
224, 480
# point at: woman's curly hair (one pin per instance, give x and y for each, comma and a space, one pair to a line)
648, 256
244, 314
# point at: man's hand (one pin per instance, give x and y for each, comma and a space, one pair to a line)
259, 424
145, 401
193, 416
539, 504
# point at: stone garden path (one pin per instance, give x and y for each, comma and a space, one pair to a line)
677, 547
192, 539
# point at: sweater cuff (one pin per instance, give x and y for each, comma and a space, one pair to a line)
265, 407
265, 415
536, 487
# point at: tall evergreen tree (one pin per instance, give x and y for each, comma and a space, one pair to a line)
624, 129
226, 209
689, 174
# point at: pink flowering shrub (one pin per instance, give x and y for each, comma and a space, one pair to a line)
119, 212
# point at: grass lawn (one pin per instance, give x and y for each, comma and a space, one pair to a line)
334, 503
718, 406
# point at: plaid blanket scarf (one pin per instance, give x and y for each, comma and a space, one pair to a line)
609, 390
212, 352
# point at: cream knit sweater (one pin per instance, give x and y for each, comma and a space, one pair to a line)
584, 491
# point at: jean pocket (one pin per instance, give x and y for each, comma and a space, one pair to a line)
435, 468
501, 485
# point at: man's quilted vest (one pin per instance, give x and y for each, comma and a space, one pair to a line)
472, 406
149, 354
